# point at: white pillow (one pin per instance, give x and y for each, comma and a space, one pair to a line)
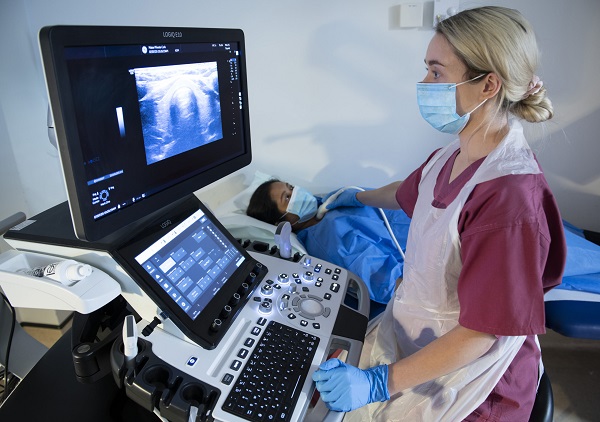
239, 203
232, 214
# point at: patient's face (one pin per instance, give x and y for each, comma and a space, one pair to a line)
280, 194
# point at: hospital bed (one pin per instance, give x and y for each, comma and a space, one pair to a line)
572, 309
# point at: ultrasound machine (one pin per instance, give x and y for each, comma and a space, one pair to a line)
144, 117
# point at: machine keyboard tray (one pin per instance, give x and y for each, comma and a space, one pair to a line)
270, 384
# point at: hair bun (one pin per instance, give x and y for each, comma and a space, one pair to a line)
534, 108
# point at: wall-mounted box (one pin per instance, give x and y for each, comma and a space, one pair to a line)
411, 15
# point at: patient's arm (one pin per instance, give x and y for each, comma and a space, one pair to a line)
384, 197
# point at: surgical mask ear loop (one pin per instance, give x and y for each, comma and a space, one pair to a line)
481, 103
470, 80
323, 209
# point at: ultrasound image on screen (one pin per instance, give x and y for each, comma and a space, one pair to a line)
180, 108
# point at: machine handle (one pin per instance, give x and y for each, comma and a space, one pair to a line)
364, 301
10, 222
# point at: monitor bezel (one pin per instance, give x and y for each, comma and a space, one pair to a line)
53, 41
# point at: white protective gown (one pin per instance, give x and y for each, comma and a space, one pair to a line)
426, 306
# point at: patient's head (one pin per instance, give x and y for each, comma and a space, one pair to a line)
271, 200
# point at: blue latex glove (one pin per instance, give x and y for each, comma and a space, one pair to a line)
345, 199
344, 387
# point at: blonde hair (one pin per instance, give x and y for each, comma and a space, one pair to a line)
500, 40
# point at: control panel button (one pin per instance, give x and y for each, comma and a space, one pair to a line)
283, 278
265, 307
334, 287
266, 289
236, 365
249, 342
227, 379
304, 315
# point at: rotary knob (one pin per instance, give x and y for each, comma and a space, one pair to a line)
266, 289
226, 311
265, 307
235, 299
251, 277
243, 288
216, 325
283, 278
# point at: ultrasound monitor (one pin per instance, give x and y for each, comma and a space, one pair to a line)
144, 116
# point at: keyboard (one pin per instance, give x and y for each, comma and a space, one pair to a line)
269, 385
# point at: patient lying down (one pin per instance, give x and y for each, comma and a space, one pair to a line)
354, 238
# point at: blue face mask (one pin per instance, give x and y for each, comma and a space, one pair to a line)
437, 104
303, 204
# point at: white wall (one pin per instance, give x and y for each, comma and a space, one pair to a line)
332, 91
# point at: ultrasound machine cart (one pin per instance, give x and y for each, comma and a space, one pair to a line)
144, 117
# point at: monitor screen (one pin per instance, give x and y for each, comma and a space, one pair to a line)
144, 116
191, 262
